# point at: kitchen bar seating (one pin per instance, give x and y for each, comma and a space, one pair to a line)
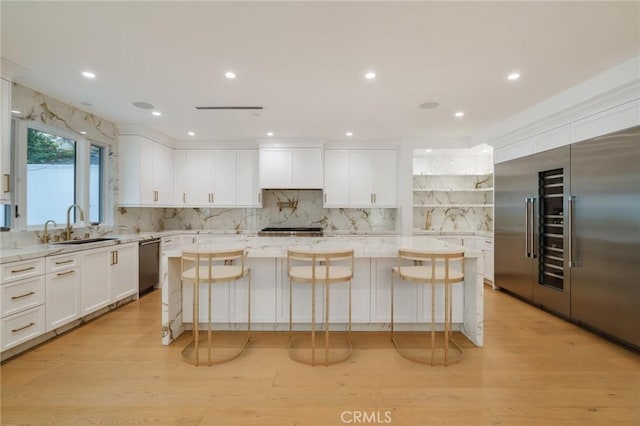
429, 269
207, 267
325, 268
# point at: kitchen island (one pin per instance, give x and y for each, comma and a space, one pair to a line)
371, 287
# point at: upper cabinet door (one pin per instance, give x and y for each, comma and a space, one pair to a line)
385, 175
249, 194
180, 177
5, 141
336, 176
276, 166
224, 192
199, 178
289, 168
163, 174
361, 178
307, 168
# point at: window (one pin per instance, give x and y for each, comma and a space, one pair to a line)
51, 176
96, 183
59, 168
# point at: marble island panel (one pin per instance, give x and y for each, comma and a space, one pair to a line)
380, 251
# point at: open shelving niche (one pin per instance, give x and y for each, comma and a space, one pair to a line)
453, 192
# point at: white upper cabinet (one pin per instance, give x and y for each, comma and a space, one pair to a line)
216, 178
146, 172
249, 194
224, 188
360, 178
336, 176
5, 141
290, 168
385, 177
210, 178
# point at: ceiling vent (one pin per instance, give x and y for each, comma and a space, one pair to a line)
228, 107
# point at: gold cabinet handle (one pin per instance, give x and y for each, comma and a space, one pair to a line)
325, 198
259, 197
15, 330
62, 262
184, 197
62, 274
7, 182
31, 293
114, 257
30, 268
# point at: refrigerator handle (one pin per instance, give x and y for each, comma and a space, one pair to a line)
570, 206
532, 229
526, 227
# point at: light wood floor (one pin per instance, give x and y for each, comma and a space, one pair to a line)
535, 369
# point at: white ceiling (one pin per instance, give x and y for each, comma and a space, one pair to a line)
305, 61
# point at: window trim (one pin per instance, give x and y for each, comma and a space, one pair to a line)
83, 147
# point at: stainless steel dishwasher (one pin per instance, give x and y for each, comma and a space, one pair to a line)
148, 264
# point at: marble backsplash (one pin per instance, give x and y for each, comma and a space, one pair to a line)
284, 208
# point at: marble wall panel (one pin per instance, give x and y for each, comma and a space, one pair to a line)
453, 219
283, 208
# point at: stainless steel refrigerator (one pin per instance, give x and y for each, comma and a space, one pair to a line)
567, 228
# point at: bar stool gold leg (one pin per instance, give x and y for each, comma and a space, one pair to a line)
313, 323
196, 319
433, 322
209, 327
392, 293
326, 324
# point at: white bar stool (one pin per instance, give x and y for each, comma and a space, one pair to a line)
430, 268
319, 267
205, 266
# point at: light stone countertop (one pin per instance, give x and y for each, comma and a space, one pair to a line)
363, 246
369, 244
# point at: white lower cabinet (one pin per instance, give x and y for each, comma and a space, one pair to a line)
108, 275
22, 327
62, 290
22, 298
123, 276
95, 280
486, 245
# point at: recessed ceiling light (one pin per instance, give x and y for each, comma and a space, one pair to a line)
143, 105
428, 150
513, 76
15, 111
88, 74
486, 150
459, 114
82, 132
191, 133
370, 75
157, 113
269, 133
349, 134
230, 75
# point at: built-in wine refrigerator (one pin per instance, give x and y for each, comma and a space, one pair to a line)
567, 228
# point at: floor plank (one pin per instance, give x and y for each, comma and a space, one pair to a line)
535, 369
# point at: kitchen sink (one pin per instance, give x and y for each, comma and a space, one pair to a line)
86, 241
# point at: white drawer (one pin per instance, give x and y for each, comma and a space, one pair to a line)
21, 295
484, 243
62, 262
23, 269
19, 328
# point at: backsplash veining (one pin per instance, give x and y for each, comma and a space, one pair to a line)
450, 203
284, 208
